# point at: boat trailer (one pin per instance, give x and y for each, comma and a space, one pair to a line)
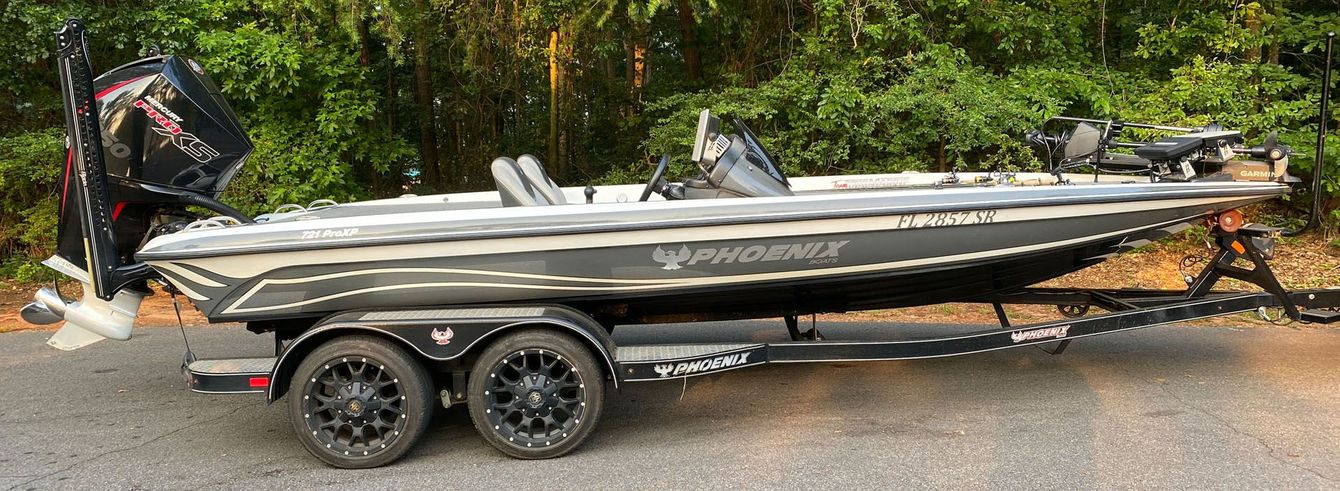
517, 367
449, 338
448, 335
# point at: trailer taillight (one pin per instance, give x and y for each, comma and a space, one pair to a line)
259, 382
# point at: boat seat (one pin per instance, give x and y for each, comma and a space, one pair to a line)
539, 179
1175, 147
513, 187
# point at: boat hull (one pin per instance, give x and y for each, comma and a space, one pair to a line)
848, 257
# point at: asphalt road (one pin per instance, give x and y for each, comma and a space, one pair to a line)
1173, 407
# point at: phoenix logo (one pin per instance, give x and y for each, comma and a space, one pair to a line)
1044, 333
443, 338
664, 370
671, 260
814, 252
667, 370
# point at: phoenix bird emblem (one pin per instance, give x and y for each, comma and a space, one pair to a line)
664, 370
671, 260
443, 337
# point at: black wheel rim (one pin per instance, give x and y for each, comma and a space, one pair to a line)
1073, 311
535, 398
354, 406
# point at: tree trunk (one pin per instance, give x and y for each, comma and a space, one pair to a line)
518, 88
566, 114
572, 119
941, 164
393, 95
553, 96
637, 69
364, 51
1252, 20
423, 91
365, 61
451, 147
688, 39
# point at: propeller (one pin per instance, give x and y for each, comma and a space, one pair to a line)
1268, 149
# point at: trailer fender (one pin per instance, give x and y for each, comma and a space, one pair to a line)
441, 334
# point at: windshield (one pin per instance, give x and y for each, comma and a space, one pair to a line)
758, 155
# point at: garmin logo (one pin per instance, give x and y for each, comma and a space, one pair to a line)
815, 252
1036, 334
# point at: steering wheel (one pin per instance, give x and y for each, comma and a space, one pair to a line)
656, 177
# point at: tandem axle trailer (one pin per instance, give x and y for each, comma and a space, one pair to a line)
530, 374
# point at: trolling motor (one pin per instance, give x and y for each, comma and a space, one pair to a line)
1201, 152
1208, 152
146, 140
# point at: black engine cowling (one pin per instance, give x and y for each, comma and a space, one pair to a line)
147, 140
165, 123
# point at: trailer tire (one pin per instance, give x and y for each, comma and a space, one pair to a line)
360, 401
1073, 311
536, 379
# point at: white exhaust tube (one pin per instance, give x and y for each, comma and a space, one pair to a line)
87, 321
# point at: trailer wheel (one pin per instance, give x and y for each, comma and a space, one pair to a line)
1072, 311
536, 394
360, 401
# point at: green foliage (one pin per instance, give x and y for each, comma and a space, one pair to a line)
329, 90
868, 115
30, 165
1196, 236
307, 105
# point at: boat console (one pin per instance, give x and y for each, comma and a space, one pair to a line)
733, 166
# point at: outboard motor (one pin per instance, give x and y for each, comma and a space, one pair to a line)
145, 141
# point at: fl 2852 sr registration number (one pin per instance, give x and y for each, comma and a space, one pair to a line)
945, 219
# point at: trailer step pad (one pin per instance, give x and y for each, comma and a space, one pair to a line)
673, 351
1320, 316
229, 375
667, 361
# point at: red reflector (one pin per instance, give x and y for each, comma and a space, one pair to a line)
260, 382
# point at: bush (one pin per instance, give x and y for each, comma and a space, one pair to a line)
30, 165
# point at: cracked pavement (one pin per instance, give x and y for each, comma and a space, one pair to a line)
1168, 407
